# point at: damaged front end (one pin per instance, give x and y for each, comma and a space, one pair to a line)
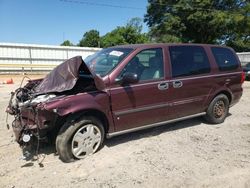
32, 121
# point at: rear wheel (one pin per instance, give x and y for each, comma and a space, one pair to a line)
218, 109
79, 139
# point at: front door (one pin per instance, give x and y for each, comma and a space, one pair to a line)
142, 103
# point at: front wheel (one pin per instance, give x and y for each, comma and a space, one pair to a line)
79, 139
218, 109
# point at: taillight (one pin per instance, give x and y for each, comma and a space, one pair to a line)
242, 77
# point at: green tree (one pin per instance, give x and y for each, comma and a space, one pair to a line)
90, 39
135, 23
240, 41
199, 21
66, 43
129, 34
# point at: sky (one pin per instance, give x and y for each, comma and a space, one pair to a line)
50, 22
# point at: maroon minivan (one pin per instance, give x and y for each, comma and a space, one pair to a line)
123, 89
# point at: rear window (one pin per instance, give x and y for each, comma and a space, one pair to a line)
188, 60
225, 58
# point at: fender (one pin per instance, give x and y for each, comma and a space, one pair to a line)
214, 92
96, 100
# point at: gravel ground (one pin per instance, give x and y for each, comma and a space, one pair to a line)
190, 153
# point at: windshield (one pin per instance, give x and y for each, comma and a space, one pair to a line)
102, 62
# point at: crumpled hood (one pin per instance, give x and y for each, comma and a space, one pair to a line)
64, 77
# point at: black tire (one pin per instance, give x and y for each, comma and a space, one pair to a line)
217, 110
64, 140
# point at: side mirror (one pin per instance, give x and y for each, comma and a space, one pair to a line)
129, 78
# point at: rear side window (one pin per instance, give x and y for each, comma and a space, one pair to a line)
188, 60
225, 59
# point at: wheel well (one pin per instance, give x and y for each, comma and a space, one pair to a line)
229, 96
94, 113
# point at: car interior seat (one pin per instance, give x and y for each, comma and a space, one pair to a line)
134, 66
155, 69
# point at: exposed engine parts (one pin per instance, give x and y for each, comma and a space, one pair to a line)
40, 108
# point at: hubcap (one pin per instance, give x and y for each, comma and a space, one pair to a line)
219, 109
86, 141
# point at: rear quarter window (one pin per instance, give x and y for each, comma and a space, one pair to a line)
225, 59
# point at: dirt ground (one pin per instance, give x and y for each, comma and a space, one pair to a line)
190, 153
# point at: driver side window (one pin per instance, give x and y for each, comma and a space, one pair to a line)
147, 64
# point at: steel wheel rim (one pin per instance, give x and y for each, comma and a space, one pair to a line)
219, 109
86, 141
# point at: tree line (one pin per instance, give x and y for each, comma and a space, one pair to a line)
224, 22
131, 33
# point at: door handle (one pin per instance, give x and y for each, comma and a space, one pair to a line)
177, 84
163, 86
